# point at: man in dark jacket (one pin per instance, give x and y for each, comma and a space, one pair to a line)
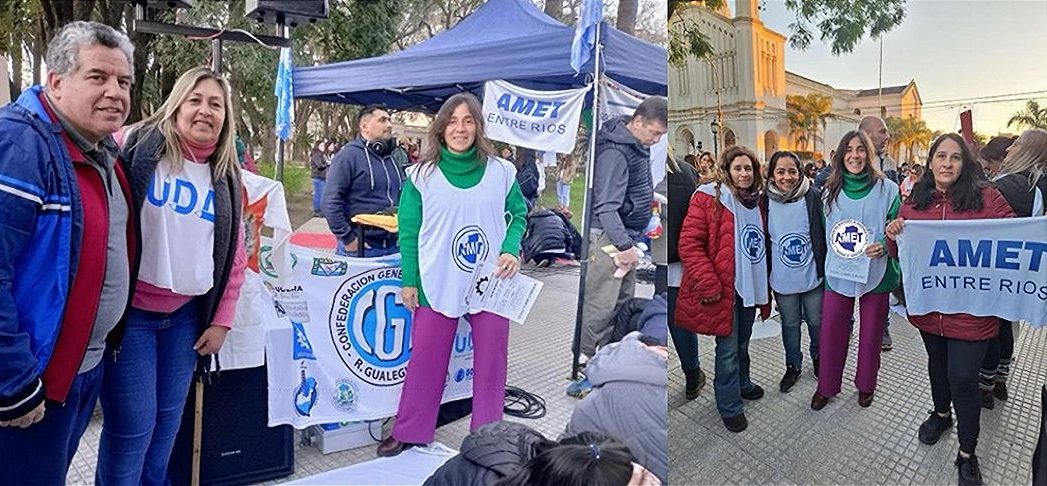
364, 178
68, 248
621, 210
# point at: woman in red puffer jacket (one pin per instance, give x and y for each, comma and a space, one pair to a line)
723, 252
956, 343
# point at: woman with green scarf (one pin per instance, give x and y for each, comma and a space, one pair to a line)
858, 202
796, 246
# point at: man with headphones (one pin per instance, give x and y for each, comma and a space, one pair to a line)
364, 178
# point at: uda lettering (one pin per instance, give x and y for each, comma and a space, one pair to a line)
185, 199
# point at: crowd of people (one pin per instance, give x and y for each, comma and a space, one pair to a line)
750, 237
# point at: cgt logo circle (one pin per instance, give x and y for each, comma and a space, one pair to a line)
752, 243
849, 238
796, 250
370, 327
469, 247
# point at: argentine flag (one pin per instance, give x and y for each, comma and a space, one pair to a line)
284, 95
585, 33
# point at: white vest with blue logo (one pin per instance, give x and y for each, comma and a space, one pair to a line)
793, 270
750, 268
460, 228
871, 210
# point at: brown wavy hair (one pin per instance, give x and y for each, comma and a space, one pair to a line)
434, 137
834, 184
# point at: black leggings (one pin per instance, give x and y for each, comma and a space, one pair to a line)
953, 367
997, 364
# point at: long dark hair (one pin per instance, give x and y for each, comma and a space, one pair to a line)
589, 458
834, 184
965, 193
434, 137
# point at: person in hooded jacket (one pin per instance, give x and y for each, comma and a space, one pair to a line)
956, 343
796, 245
364, 178
725, 276
318, 163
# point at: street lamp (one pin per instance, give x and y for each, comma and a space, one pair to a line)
715, 127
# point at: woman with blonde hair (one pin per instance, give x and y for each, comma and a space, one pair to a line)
186, 186
466, 206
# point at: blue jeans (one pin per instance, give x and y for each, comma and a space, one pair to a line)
42, 452
732, 362
143, 394
792, 306
318, 193
563, 193
686, 342
368, 252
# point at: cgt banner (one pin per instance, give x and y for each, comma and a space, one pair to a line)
339, 349
979, 267
541, 120
618, 100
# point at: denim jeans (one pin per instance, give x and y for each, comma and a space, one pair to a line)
368, 252
42, 452
732, 361
318, 193
143, 393
792, 306
686, 342
563, 193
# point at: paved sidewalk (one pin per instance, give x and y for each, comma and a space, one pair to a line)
788, 443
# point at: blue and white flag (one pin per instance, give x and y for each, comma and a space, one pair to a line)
981, 267
284, 95
585, 33
541, 120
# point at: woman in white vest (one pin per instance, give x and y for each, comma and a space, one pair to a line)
725, 276
464, 206
796, 245
859, 201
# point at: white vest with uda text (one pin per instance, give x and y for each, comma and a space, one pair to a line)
460, 229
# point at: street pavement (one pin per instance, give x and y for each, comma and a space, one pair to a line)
788, 443
539, 362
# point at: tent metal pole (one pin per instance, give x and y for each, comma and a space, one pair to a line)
576, 346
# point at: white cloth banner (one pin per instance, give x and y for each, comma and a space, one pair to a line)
617, 100
540, 120
339, 350
982, 267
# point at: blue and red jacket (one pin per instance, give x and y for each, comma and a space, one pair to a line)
54, 220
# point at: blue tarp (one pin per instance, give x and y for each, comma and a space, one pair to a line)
503, 39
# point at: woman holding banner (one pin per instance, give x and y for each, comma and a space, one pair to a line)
956, 343
725, 276
464, 203
187, 188
796, 243
858, 202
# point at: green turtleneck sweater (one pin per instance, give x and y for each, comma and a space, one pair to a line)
855, 187
462, 171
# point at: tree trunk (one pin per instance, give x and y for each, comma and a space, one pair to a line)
554, 9
627, 10
38, 52
16, 63
143, 43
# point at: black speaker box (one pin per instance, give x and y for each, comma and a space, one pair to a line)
237, 446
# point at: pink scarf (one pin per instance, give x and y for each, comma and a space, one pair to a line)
198, 153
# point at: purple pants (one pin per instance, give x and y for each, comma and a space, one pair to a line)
836, 317
432, 338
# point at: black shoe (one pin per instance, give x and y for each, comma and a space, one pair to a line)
755, 393
987, 399
815, 367
1000, 390
737, 423
970, 473
391, 447
888, 343
865, 399
818, 401
695, 383
792, 375
931, 430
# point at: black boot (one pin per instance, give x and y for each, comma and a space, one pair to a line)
931, 430
695, 383
987, 399
792, 375
969, 472
1000, 390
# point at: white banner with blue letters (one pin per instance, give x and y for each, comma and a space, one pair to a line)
980, 267
338, 350
541, 120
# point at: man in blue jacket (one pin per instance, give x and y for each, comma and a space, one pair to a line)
364, 178
68, 249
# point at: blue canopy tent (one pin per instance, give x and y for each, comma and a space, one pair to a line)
503, 39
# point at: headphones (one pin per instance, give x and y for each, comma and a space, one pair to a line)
381, 146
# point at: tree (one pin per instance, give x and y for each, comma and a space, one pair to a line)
806, 114
841, 23
1033, 116
627, 10
910, 133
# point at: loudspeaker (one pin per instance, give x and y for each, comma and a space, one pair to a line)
237, 446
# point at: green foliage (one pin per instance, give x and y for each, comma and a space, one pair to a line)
842, 23
806, 114
1033, 116
297, 178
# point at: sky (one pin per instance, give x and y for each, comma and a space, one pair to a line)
954, 49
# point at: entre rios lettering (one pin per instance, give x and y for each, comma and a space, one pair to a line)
371, 327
